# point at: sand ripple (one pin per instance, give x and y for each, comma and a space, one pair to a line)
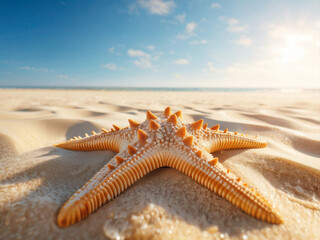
36, 179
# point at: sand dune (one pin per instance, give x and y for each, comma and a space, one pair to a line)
36, 179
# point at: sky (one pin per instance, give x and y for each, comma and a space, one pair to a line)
160, 43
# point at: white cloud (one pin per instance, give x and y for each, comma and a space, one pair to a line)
157, 55
45, 70
198, 42
215, 5
191, 27
210, 68
143, 63
243, 41
26, 68
64, 76
116, 49
181, 17
178, 76
189, 31
110, 66
143, 60
237, 28
233, 24
133, 8
232, 21
181, 61
151, 47
157, 7
111, 50
137, 53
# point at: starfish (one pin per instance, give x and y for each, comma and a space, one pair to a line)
165, 141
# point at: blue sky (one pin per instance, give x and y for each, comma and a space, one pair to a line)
160, 43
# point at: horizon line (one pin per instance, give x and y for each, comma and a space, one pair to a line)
33, 87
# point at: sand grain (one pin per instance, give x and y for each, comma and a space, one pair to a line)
36, 179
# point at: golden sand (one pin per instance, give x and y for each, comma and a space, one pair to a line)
36, 179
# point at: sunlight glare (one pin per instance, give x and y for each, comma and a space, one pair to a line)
291, 54
293, 49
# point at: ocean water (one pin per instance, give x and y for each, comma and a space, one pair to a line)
170, 89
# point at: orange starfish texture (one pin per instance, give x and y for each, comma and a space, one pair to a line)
165, 141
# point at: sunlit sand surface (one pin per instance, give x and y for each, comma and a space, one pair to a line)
36, 179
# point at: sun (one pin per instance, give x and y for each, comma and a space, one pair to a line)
293, 48
291, 54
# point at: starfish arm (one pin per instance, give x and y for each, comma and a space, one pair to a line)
122, 171
212, 175
157, 142
217, 140
113, 140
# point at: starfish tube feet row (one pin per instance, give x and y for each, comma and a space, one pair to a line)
157, 142
107, 184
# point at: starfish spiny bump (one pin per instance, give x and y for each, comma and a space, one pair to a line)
166, 141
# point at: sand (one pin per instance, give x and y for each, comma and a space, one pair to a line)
36, 179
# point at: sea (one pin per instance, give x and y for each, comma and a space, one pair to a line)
170, 89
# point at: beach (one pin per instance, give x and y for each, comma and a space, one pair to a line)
36, 179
